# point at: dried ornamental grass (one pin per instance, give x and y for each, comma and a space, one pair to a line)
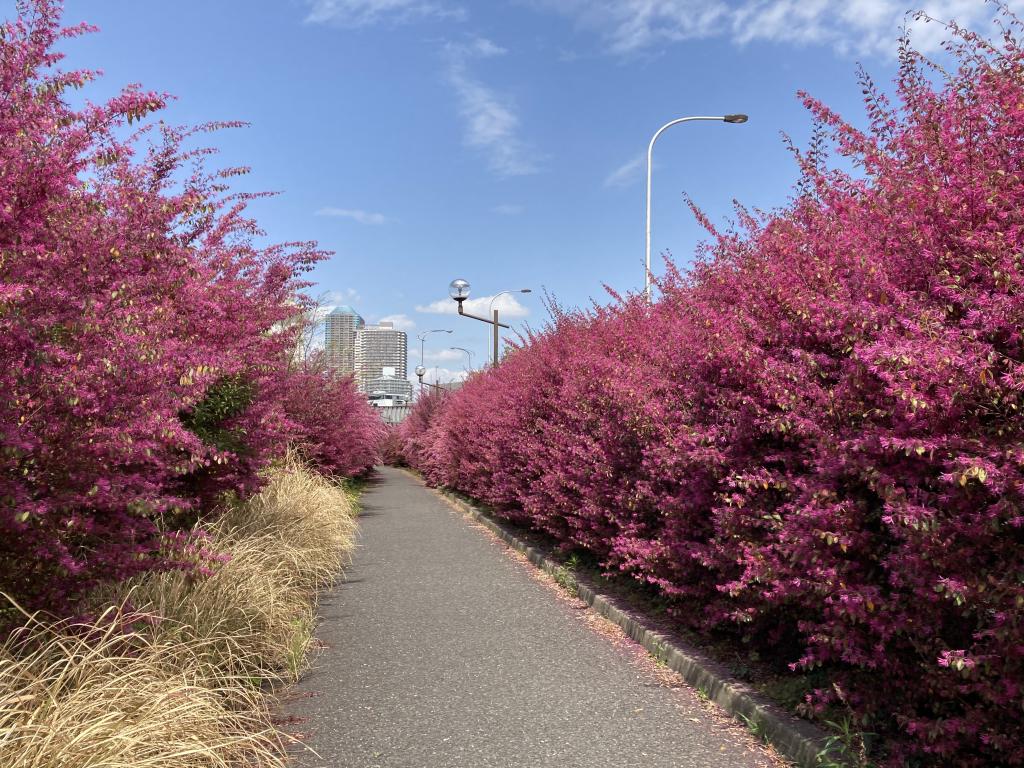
91, 695
171, 676
254, 611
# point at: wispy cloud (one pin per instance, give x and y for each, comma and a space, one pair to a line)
508, 209
628, 26
492, 124
363, 13
626, 173
850, 26
363, 217
506, 304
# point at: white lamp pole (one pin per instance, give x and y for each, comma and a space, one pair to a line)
422, 337
469, 353
650, 155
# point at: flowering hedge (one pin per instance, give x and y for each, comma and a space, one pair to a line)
337, 431
143, 335
814, 438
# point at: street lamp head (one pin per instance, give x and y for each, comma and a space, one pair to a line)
526, 290
420, 370
459, 290
735, 118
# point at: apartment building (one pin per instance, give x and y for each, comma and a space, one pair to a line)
340, 329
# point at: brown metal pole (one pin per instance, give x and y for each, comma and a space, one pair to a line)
496, 326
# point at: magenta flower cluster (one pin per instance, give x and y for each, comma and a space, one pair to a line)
814, 439
144, 335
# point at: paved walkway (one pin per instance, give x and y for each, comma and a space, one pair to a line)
445, 652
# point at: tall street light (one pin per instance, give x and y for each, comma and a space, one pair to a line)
491, 310
459, 291
469, 354
650, 154
422, 337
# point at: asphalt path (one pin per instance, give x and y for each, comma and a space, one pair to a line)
442, 650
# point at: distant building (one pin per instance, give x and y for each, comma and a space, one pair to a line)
388, 388
381, 352
341, 327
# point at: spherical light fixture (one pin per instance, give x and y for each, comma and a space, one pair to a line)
459, 290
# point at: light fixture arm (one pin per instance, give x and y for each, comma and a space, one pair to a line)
481, 319
650, 156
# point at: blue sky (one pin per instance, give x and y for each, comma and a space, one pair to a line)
501, 142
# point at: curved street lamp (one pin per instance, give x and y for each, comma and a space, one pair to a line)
490, 307
469, 354
735, 119
422, 337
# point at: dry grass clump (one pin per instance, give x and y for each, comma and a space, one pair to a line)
92, 695
255, 613
172, 675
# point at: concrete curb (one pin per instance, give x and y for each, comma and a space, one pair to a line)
796, 739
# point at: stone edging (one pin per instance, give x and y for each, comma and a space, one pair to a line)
796, 739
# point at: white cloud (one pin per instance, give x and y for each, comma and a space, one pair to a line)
401, 322
363, 217
362, 13
443, 355
627, 173
508, 209
491, 121
506, 304
849, 26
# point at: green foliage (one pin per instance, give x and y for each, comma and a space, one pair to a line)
565, 574
848, 747
226, 399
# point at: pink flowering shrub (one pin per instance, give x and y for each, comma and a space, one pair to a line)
815, 437
143, 335
413, 430
392, 447
336, 429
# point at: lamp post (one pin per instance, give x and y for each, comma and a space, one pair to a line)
422, 337
490, 307
491, 310
459, 291
736, 119
420, 371
469, 354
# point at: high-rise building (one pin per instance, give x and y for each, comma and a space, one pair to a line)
378, 347
340, 329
